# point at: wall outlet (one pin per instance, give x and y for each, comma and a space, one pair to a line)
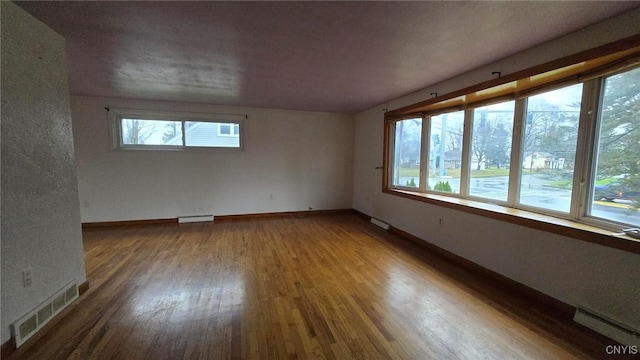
26, 277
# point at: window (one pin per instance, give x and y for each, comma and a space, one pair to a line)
615, 191
212, 134
138, 129
491, 140
532, 146
549, 148
407, 144
149, 132
445, 151
228, 129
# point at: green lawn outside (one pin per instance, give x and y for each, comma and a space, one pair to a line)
560, 184
409, 172
567, 184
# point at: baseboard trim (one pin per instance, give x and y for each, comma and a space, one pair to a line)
361, 215
83, 288
541, 300
549, 304
274, 215
217, 218
9, 346
91, 225
7, 349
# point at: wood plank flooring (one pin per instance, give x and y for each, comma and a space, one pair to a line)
321, 287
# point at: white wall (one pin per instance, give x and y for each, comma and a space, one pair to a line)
292, 160
40, 210
574, 271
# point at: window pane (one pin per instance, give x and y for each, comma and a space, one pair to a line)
616, 194
406, 153
225, 129
151, 132
445, 152
549, 143
210, 134
491, 150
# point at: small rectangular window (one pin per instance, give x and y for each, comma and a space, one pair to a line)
406, 162
224, 129
138, 129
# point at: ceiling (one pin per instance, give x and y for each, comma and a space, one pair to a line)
340, 57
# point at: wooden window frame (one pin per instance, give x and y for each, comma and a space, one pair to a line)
585, 67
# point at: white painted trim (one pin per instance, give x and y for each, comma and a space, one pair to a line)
40, 323
115, 116
195, 218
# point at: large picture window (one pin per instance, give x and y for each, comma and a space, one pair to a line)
541, 150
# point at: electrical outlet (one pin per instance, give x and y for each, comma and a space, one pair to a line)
26, 277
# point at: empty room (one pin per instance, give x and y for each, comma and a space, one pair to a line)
327, 180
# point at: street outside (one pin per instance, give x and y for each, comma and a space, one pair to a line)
535, 193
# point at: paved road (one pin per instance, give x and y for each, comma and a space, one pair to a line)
534, 193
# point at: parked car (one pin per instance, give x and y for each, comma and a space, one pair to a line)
615, 191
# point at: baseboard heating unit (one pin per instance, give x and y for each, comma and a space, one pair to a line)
34, 320
195, 218
607, 327
380, 223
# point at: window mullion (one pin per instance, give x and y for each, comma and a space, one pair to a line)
466, 150
424, 154
391, 180
184, 133
584, 171
517, 146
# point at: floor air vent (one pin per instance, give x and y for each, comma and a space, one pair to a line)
195, 218
35, 319
606, 327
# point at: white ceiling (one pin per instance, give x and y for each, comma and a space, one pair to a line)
318, 56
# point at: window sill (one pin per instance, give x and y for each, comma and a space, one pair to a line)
529, 219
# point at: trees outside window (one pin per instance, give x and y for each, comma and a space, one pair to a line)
549, 151
491, 150
617, 167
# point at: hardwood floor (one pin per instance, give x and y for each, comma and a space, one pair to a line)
324, 287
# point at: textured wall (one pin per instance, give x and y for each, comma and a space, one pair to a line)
40, 209
576, 272
292, 160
